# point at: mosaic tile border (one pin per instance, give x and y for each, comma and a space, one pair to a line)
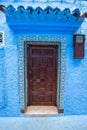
49, 40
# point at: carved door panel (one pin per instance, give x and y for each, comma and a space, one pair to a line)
42, 75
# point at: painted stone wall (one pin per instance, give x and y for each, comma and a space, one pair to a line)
76, 83
75, 100
9, 84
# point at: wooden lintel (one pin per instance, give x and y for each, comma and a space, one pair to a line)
2, 8
84, 15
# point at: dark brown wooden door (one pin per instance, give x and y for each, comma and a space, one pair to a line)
41, 74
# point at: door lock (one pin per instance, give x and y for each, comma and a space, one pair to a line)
30, 81
38, 80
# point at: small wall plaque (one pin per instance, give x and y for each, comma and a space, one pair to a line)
1, 39
79, 43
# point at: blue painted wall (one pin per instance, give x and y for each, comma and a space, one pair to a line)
9, 83
75, 101
76, 82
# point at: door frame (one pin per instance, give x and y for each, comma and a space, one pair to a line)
49, 40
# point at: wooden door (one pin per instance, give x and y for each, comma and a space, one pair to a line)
41, 74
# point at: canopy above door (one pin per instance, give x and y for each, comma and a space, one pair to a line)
38, 20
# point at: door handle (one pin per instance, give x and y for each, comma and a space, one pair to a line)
38, 81
30, 81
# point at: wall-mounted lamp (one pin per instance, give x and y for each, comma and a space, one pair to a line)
79, 43
1, 39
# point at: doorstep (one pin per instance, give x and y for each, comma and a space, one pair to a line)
41, 110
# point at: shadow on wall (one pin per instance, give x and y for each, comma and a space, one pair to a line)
2, 18
3, 103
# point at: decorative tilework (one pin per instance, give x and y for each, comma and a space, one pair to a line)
49, 40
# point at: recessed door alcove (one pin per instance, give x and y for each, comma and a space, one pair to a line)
45, 41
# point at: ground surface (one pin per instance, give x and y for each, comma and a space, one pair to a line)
45, 123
